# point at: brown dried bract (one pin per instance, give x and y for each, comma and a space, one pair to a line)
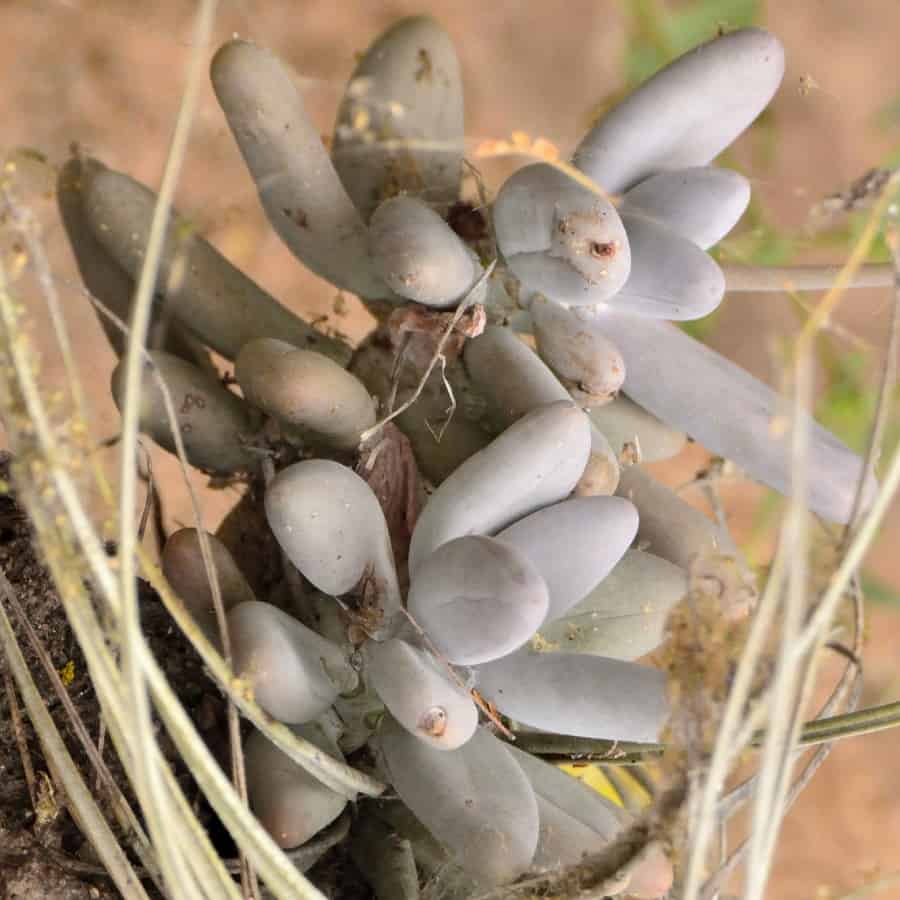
429, 325
389, 467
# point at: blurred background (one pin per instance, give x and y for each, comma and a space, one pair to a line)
108, 76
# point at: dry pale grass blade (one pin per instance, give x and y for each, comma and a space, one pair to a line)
82, 804
203, 865
63, 555
120, 807
796, 654
147, 780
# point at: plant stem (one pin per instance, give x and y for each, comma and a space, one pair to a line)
777, 279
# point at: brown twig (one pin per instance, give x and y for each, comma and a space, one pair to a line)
15, 715
476, 697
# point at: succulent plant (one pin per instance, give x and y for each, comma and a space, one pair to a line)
517, 582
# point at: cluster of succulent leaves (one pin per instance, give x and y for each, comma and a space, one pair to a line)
528, 354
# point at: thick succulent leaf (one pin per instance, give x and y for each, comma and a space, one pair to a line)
623, 617
400, 125
215, 424
329, 523
624, 422
561, 238
687, 113
298, 186
536, 461
692, 387
205, 293
291, 804
446, 878
587, 363
294, 673
478, 598
574, 545
305, 390
511, 376
515, 380
107, 281
701, 204
670, 527
475, 800
418, 255
384, 859
575, 820
420, 696
671, 277
182, 564
577, 694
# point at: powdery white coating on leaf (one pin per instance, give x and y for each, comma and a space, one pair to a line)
624, 422
418, 255
305, 390
575, 820
215, 424
182, 564
670, 527
588, 363
298, 186
623, 617
420, 696
536, 461
294, 673
515, 380
330, 524
687, 113
701, 204
671, 277
574, 545
206, 294
478, 598
559, 237
475, 800
400, 125
291, 804
731, 413
577, 694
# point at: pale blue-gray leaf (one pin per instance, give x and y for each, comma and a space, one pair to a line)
577, 694
478, 598
687, 113
475, 800
559, 237
400, 125
623, 617
701, 204
536, 461
574, 545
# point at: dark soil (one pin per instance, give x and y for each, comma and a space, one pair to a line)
44, 854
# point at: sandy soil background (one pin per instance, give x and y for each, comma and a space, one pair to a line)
108, 76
